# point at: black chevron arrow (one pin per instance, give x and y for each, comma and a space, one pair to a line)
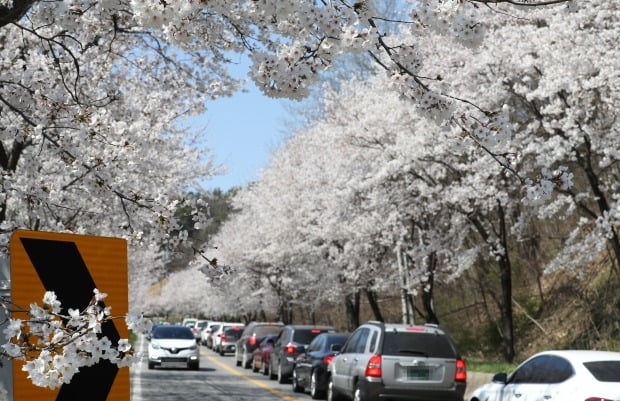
62, 270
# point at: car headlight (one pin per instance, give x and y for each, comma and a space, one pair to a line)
193, 347
155, 346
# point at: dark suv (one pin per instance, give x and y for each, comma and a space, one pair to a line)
252, 335
291, 342
404, 362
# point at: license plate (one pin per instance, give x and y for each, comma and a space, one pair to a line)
417, 373
173, 364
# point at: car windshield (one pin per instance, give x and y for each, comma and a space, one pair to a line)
604, 371
422, 344
201, 325
173, 333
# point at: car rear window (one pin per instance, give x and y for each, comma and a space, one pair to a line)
305, 336
232, 333
262, 331
604, 371
429, 345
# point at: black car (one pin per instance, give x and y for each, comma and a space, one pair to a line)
292, 341
252, 335
310, 370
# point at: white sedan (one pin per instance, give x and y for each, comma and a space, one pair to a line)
569, 375
174, 347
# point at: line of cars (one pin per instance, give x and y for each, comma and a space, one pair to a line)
376, 361
383, 361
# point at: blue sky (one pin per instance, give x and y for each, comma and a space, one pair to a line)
242, 132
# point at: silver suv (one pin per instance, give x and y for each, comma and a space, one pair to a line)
397, 361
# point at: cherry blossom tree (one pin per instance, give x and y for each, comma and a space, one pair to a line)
91, 93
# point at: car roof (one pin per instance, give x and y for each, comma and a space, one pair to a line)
414, 328
579, 355
310, 326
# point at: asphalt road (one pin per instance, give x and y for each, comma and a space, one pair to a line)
217, 380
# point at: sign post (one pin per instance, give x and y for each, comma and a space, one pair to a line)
72, 266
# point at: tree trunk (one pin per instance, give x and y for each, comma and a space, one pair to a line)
428, 290
601, 199
505, 271
352, 304
374, 305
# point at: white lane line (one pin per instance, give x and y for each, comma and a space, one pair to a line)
136, 375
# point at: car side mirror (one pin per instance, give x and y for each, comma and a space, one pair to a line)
500, 378
335, 347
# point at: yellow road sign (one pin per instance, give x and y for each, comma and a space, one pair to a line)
72, 266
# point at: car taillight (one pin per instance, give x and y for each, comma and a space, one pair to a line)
328, 359
460, 374
373, 369
252, 340
223, 337
598, 399
290, 349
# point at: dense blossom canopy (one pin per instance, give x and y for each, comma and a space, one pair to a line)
92, 93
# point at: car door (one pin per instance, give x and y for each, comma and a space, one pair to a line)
527, 382
305, 360
357, 358
341, 365
555, 383
278, 347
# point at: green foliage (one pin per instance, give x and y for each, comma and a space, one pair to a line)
489, 366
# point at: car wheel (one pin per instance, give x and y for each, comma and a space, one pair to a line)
193, 365
296, 387
151, 365
281, 378
358, 395
315, 392
332, 393
263, 367
271, 375
246, 362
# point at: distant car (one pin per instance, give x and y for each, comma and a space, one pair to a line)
252, 335
310, 369
197, 328
217, 334
189, 321
206, 332
568, 375
291, 342
260, 356
173, 346
226, 341
210, 333
384, 361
